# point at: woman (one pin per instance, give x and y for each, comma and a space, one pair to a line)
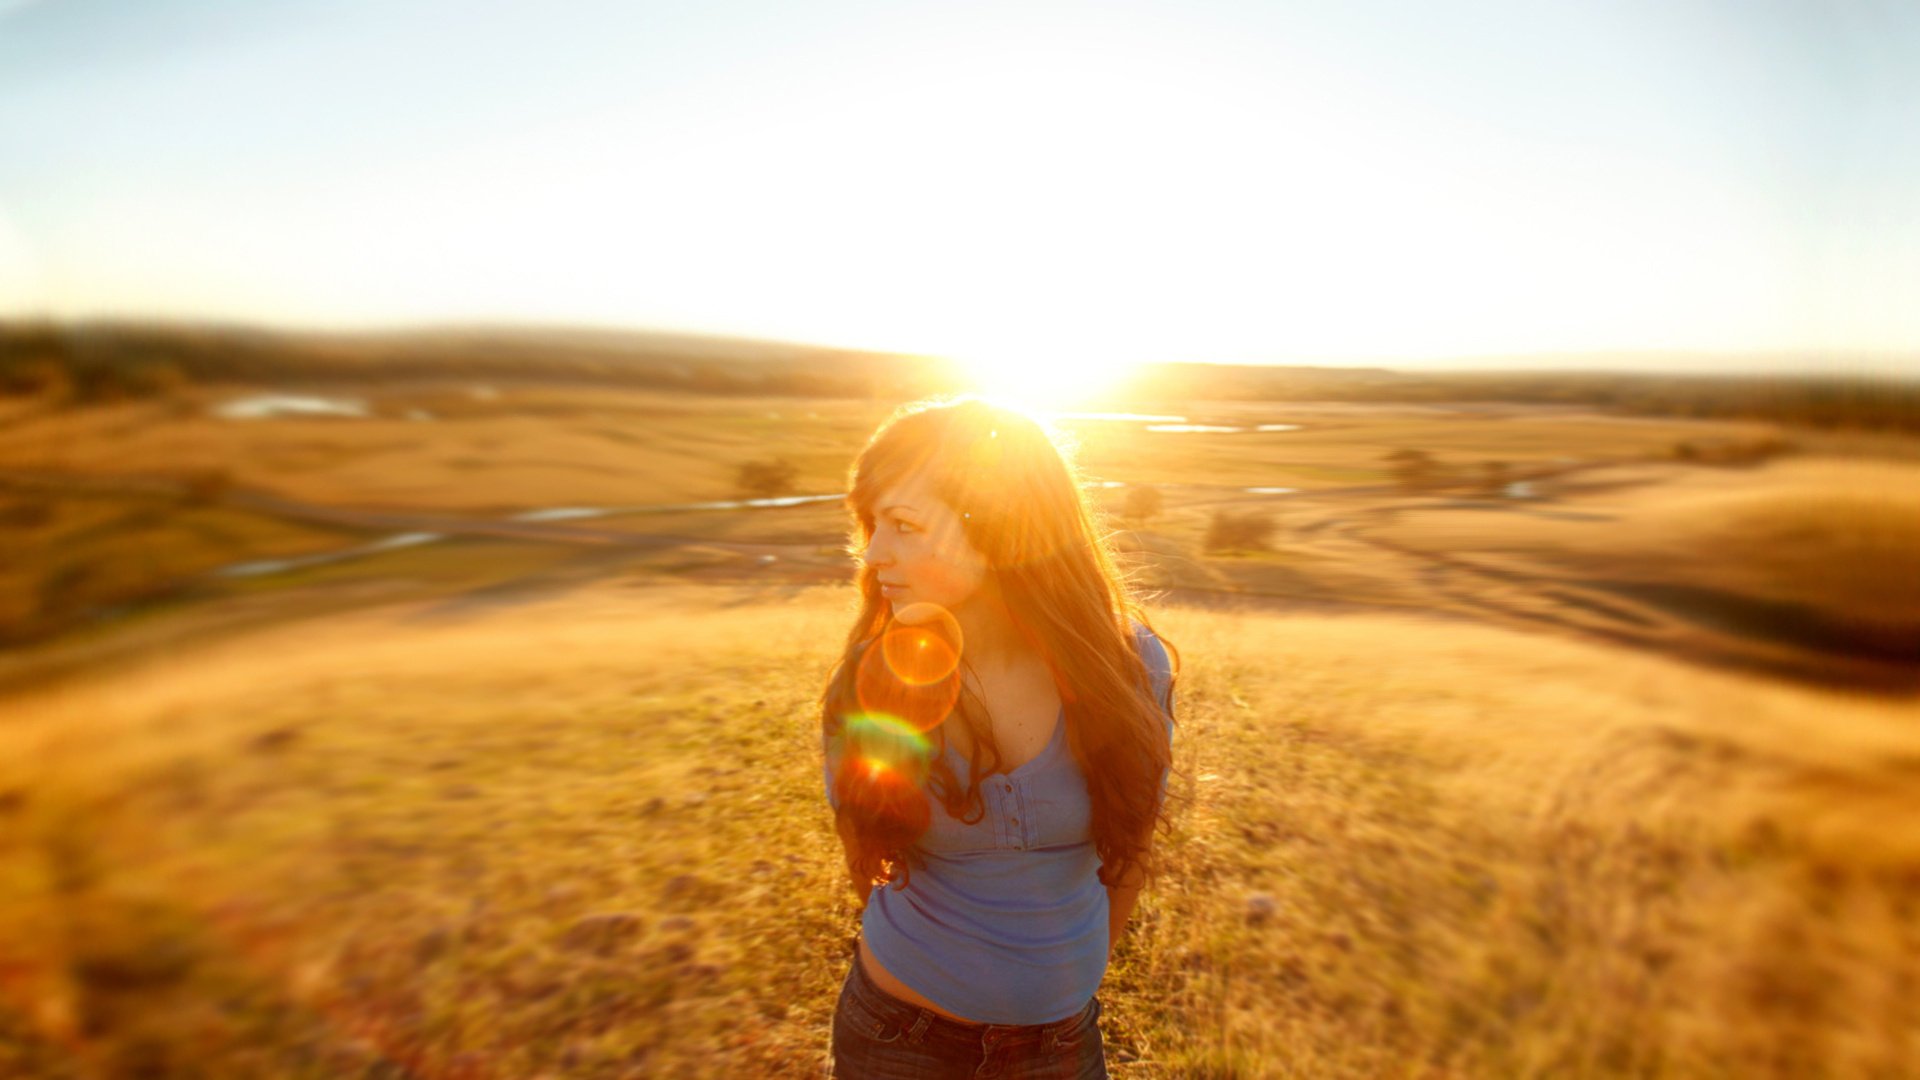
998, 736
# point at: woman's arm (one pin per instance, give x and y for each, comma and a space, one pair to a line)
850, 845
1121, 898
1120, 901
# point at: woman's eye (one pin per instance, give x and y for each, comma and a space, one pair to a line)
901, 526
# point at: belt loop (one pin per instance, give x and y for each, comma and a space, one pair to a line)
920, 1024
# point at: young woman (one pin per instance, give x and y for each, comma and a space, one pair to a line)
998, 737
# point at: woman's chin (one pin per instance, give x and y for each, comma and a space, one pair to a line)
918, 612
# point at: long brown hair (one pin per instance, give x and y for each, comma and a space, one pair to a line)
1022, 506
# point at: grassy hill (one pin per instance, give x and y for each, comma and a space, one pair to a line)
1531, 740
582, 834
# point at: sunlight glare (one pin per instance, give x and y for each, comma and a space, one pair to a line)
1039, 381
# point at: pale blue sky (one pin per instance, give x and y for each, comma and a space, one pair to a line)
1257, 181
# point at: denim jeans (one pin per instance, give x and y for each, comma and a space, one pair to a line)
876, 1036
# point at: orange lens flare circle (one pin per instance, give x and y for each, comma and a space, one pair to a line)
913, 672
923, 644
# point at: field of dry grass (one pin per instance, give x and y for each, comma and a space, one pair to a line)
443, 448
112, 510
1614, 780
583, 835
1830, 532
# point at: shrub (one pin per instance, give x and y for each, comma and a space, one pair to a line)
1413, 470
766, 479
1494, 478
35, 376
157, 378
1143, 503
25, 515
1231, 531
1734, 452
205, 486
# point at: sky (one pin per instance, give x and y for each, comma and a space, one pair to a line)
1242, 182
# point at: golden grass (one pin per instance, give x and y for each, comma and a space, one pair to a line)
1842, 535
1854, 547
535, 446
585, 837
1337, 448
67, 555
541, 446
526, 447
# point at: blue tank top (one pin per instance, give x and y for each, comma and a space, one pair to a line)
1004, 921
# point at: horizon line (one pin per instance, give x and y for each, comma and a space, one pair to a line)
1806, 361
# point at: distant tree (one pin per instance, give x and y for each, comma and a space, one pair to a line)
33, 375
205, 486
158, 378
1414, 470
766, 479
1735, 453
707, 380
1686, 451
1494, 477
1143, 504
26, 515
1232, 531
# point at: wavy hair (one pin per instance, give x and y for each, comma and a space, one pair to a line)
1022, 506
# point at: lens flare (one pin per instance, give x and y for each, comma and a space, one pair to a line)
882, 796
906, 684
883, 764
889, 740
913, 672
923, 645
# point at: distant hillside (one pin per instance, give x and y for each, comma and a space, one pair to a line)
102, 361
107, 361
1836, 401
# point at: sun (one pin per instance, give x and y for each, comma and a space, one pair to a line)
1044, 380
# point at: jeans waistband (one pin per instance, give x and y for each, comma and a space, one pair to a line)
926, 1018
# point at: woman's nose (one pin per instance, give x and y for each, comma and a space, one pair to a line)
875, 552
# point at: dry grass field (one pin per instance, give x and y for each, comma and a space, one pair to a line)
583, 836
1616, 774
117, 510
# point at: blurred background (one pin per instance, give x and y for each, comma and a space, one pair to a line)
423, 430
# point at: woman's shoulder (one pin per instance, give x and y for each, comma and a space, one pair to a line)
1148, 645
1154, 654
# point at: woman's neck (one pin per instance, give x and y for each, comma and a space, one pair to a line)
989, 639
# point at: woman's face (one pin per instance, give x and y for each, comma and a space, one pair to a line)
919, 550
